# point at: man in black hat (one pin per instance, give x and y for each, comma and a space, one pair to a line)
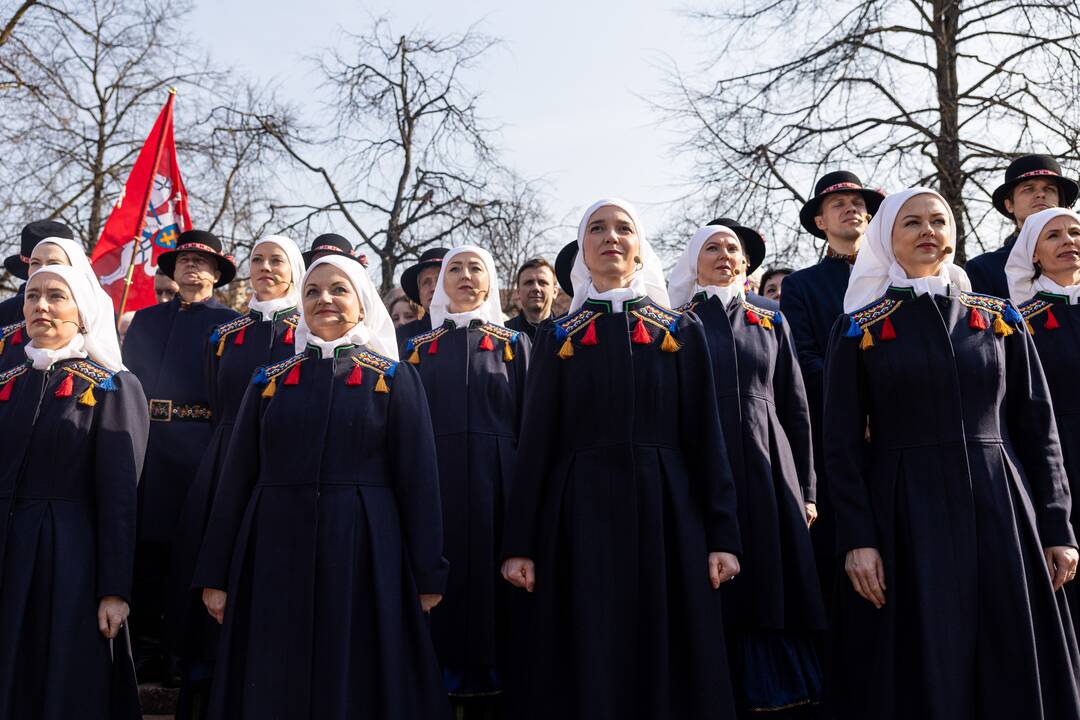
1032, 183
11, 310
165, 347
536, 292
328, 244
418, 282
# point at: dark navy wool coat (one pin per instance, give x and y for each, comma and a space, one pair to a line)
522, 325
963, 488
987, 271
11, 309
67, 533
621, 489
13, 341
474, 379
326, 526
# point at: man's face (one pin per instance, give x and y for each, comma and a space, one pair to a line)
843, 216
426, 280
1032, 196
165, 288
536, 291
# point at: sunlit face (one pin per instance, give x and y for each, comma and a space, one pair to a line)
165, 288
46, 254
536, 290
921, 234
611, 246
1031, 196
466, 282
195, 269
721, 261
401, 312
271, 273
426, 280
52, 317
843, 216
1057, 251
331, 304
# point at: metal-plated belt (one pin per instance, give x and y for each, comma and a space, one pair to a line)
167, 411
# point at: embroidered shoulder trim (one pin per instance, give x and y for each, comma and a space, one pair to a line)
292, 321
991, 304
228, 328
424, 338
500, 333
687, 306
14, 372
375, 361
270, 372
659, 316
97, 375
574, 322
1033, 307
774, 316
874, 312
9, 330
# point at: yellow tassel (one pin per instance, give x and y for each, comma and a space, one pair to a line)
669, 344
221, 346
1001, 327
270, 389
414, 359
381, 386
567, 349
1031, 330
867, 341
87, 398
508, 354
766, 323
2, 343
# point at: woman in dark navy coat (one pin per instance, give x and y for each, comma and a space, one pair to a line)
775, 609
1043, 271
324, 545
75, 427
622, 521
956, 527
264, 335
473, 370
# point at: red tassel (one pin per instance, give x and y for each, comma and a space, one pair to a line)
887, 331
589, 338
976, 321
290, 336
356, 377
1051, 321
5, 390
752, 318
293, 378
16, 337
239, 338
641, 335
66, 386
433, 347
486, 343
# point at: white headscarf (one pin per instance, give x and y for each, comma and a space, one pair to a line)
96, 338
489, 311
267, 308
649, 280
76, 256
1020, 267
375, 331
876, 267
683, 284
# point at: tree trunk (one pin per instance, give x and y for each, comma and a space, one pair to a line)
97, 195
949, 171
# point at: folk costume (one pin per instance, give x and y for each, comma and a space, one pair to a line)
987, 271
165, 347
325, 527
774, 610
621, 490
943, 455
75, 433
473, 371
1052, 317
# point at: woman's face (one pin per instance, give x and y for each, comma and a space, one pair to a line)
52, 318
922, 235
611, 246
331, 305
46, 254
721, 261
401, 312
271, 274
1057, 252
466, 282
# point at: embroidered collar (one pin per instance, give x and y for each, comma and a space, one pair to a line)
849, 259
605, 306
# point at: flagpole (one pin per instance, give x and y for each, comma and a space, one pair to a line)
146, 203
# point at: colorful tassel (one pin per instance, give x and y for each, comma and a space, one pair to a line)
853, 330
5, 390
433, 347
1001, 327
2, 341
87, 398
589, 338
641, 335
239, 339
976, 321
567, 349
486, 344
293, 378
887, 330
752, 318
669, 344
356, 376
508, 354
867, 341
290, 336
220, 347
270, 389
414, 358
66, 386
1051, 321
766, 322
381, 386
16, 337
1030, 329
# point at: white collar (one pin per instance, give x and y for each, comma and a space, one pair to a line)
358, 334
269, 308
45, 358
618, 297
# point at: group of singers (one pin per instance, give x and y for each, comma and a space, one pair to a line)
678, 500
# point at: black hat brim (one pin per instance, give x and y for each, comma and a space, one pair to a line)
1068, 189
812, 208
564, 266
15, 265
753, 246
167, 263
309, 255
410, 278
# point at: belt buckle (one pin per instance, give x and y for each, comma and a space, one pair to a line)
161, 410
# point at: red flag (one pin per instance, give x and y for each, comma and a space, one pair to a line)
146, 221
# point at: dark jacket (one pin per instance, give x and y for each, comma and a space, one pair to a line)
987, 271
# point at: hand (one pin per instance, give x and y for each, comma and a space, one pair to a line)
428, 601
811, 514
1061, 562
867, 573
722, 567
520, 572
111, 613
214, 600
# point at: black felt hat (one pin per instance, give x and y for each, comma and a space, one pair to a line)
328, 244
410, 279
203, 242
834, 182
1027, 167
19, 264
752, 241
564, 266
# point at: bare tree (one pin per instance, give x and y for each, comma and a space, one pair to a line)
939, 92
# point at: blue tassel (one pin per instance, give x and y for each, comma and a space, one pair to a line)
1011, 315
389, 372
215, 337
560, 332
107, 384
409, 347
777, 319
853, 330
260, 377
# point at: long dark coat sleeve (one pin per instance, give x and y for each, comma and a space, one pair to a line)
794, 412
